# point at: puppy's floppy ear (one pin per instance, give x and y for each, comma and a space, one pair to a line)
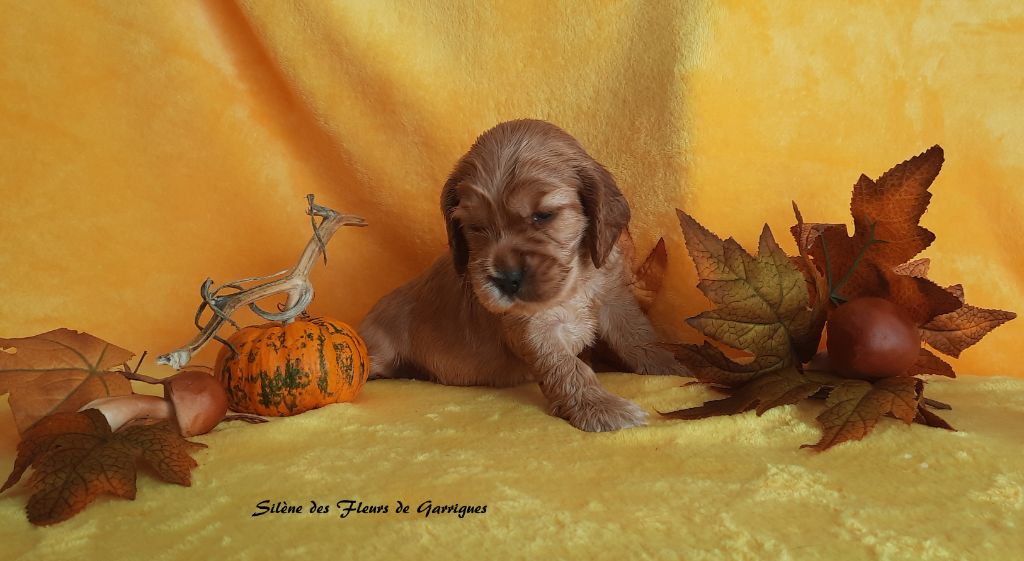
456, 237
606, 210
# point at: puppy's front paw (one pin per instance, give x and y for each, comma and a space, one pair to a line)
596, 410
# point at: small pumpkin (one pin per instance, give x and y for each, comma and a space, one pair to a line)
286, 369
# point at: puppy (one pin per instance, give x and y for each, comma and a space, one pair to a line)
534, 275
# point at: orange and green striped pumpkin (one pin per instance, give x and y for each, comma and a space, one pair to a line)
286, 369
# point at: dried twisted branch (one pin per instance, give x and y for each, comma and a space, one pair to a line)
294, 282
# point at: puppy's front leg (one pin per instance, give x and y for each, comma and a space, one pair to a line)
623, 325
575, 395
573, 390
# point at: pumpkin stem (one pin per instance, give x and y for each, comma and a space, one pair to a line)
294, 282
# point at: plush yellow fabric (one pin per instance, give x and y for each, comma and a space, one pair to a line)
148, 145
732, 488
145, 146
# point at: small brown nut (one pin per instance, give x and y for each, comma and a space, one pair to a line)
200, 402
872, 338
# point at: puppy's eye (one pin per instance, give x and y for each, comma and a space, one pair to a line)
542, 217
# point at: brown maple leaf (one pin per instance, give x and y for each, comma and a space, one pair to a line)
76, 458
887, 235
854, 407
60, 370
954, 332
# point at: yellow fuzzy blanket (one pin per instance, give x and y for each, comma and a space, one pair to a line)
145, 146
729, 488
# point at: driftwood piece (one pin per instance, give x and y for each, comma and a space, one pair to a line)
294, 282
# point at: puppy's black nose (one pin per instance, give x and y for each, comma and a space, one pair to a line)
508, 281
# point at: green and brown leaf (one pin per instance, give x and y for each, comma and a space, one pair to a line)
761, 307
764, 392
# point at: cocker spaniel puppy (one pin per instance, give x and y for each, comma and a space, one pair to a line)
533, 277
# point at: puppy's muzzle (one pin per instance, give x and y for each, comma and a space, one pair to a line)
508, 281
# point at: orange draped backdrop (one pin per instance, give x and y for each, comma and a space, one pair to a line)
145, 146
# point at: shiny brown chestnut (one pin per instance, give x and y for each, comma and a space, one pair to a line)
871, 338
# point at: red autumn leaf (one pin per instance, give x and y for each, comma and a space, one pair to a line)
954, 332
956, 290
818, 288
41, 437
929, 418
874, 260
893, 206
76, 458
60, 370
854, 407
650, 276
927, 363
915, 268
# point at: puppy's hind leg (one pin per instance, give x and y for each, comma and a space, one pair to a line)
384, 359
384, 331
